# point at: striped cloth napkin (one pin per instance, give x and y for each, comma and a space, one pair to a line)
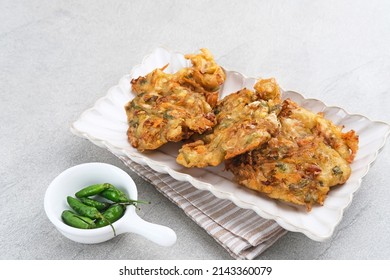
241, 232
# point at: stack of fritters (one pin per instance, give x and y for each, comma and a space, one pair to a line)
172, 107
271, 146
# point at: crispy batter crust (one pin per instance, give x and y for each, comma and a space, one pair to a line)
299, 165
206, 76
245, 120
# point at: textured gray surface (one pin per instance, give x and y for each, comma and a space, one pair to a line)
58, 57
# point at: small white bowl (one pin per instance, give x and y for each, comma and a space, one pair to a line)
75, 178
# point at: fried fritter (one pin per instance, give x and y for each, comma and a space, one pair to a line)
205, 76
245, 120
299, 165
157, 118
172, 107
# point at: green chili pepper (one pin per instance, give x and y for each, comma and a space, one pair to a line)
112, 214
82, 209
99, 205
85, 210
114, 195
74, 220
118, 196
92, 190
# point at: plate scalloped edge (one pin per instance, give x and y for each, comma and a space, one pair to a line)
104, 116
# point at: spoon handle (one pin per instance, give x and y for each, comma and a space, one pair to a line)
161, 235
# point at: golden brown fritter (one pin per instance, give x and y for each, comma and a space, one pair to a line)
169, 116
205, 76
172, 107
245, 120
299, 165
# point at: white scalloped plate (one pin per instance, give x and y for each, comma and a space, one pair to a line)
105, 125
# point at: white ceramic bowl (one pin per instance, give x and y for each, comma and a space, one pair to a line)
75, 178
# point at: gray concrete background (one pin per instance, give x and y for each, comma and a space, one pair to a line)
58, 57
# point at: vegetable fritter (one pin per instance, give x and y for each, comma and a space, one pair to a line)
245, 120
173, 114
299, 165
205, 76
172, 107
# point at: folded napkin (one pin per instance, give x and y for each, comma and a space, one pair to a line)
243, 233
